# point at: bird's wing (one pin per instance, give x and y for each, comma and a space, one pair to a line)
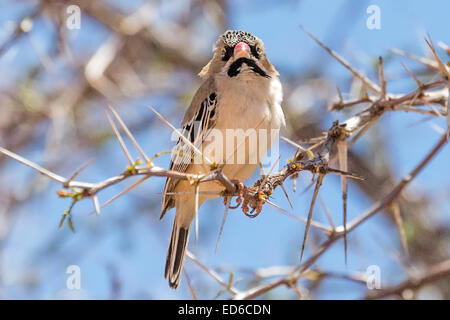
199, 117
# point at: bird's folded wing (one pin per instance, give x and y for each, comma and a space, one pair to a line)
199, 118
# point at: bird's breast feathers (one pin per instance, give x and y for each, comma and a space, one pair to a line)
249, 101
246, 108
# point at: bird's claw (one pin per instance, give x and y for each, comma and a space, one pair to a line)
240, 190
256, 207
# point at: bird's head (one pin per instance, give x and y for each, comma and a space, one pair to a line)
239, 52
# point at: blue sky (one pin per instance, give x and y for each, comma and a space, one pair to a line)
132, 241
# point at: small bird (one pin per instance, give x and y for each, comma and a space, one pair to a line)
241, 91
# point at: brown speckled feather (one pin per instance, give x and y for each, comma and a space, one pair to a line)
202, 109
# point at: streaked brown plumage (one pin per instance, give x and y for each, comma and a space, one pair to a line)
241, 90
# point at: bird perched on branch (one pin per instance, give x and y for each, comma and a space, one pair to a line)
238, 102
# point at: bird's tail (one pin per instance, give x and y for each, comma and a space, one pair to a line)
176, 253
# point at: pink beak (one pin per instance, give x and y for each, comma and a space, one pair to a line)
241, 50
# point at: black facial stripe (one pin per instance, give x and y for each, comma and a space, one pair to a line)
228, 53
235, 67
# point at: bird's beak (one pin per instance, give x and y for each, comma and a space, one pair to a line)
241, 50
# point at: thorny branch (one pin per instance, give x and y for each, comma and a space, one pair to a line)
339, 137
339, 231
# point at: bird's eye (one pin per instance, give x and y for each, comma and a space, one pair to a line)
227, 52
256, 51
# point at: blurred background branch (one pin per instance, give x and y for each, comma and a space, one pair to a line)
140, 53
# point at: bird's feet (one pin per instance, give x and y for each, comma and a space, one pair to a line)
240, 191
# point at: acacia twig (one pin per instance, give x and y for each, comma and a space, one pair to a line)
375, 208
434, 273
